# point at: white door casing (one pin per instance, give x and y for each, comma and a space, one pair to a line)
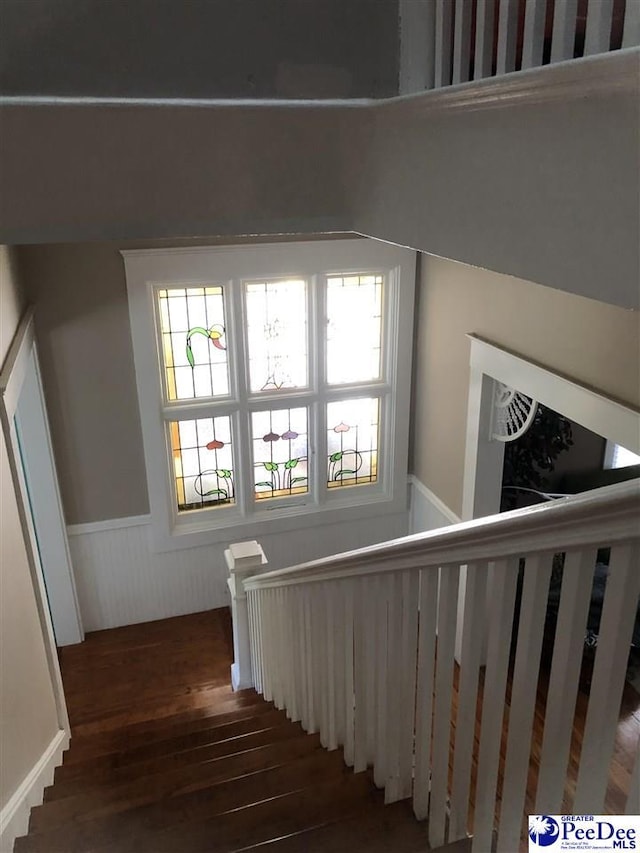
27, 437
484, 455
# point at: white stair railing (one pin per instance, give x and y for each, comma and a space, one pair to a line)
360, 648
445, 42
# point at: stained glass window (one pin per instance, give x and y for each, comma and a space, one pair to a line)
352, 442
194, 344
280, 452
354, 328
277, 334
202, 462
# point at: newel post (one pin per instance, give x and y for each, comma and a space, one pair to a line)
243, 560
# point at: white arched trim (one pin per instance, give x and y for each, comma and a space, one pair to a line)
483, 456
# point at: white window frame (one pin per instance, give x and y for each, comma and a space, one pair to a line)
151, 269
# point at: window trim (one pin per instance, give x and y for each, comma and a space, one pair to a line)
148, 269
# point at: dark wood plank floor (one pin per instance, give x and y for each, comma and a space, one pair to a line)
165, 757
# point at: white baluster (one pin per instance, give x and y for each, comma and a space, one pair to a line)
417, 45
612, 652
424, 691
577, 580
259, 602
533, 37
533, 611
394, 685
631, 34
370, 631
328, 590
507, 36
301, 632
277, 659
348, 674
501, 619
309, 652
598, 34
444, 27
290, 645
267, 645
473, 629
322, 660
359, 677
483, 56
337, 608
252, 632
564, 30
447, 617
406, 709
283, 663
382, 655
462, 41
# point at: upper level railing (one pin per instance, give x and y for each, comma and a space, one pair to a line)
445, 42
361, 648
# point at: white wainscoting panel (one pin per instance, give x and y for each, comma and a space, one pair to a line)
426, 510
121, 581
14, 817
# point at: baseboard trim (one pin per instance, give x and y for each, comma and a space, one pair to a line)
434, 512
14, 817
108, 524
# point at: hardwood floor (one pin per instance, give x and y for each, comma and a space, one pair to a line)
165, 757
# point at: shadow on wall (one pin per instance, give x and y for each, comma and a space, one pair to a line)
201, 49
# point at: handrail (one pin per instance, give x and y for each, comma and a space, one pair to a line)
611, 514
382, 656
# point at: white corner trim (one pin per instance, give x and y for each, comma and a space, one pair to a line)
426, 510
14, 817
108, 524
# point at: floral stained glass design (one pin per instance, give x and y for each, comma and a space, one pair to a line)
354, 328
280, 453
277, 334
194, 342
352, 442
202, 462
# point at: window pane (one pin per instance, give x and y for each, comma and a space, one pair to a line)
203, 462
277, 334
194, 342
354, 328
352, 442
280, 453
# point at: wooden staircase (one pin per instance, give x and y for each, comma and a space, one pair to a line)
165, 757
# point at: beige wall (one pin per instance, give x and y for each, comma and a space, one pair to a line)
82, 328
28, 718
142, 172
221, 49
593, 343
545, 189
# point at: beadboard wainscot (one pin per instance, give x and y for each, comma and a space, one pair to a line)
122, 580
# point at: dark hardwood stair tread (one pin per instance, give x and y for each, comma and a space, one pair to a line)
377, 829
225, 796
119, 798
241, 707
172, 742
251, 824
90, 719
164, 763
165, 756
